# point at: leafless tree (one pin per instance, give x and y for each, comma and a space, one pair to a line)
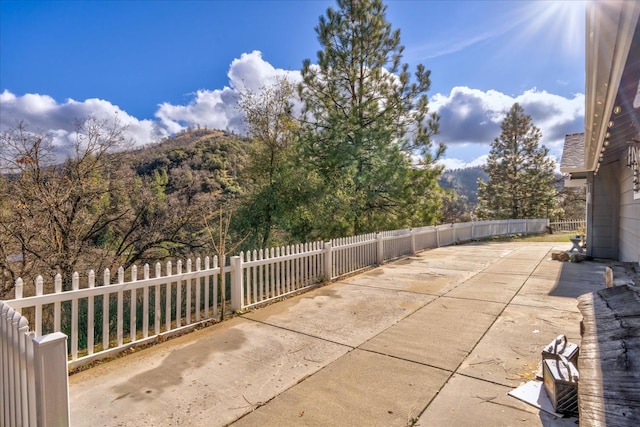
88, 210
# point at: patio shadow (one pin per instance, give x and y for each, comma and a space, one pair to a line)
578, 278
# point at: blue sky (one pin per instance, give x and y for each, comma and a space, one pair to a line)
164, 65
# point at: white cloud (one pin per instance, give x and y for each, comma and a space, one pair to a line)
251, 72
474, 116
43, 113
211, 108
218, 108
468, 116
451, 164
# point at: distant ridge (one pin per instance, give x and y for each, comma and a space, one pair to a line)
463, 182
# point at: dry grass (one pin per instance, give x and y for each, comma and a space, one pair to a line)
560, 237
542, 237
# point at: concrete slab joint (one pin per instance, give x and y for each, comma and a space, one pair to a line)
439, 338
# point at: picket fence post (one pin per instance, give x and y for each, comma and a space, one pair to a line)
237, 287
328, 261
51, 379
413, 241
380, 247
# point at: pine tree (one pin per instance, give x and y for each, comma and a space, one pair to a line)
368, 129
520, 183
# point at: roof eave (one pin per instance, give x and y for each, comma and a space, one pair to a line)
610, 28
574, 169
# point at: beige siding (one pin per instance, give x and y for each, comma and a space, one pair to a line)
602, 234
629, 219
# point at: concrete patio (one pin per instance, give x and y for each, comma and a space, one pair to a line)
437, 339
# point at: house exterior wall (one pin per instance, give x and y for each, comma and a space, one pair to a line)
612, 107
603, 212
629, 250
613, 226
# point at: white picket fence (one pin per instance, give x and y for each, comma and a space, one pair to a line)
107, 318
568, 225
29, 365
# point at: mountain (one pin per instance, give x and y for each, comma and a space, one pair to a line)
207, 161
464, 182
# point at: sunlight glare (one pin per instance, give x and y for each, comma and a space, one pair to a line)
560, 23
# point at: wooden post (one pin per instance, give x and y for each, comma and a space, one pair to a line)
120, 308
380, 247
52, 381
75, 285
90, 314
328, 262
413, 241
18, 288
105, 310
237, 287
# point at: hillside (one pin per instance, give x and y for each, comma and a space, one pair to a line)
464, 182
205, 161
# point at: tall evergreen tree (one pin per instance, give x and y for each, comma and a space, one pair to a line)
520, 183
368, 128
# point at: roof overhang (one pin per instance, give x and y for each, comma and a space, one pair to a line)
575, 182
610, 30
573, 154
